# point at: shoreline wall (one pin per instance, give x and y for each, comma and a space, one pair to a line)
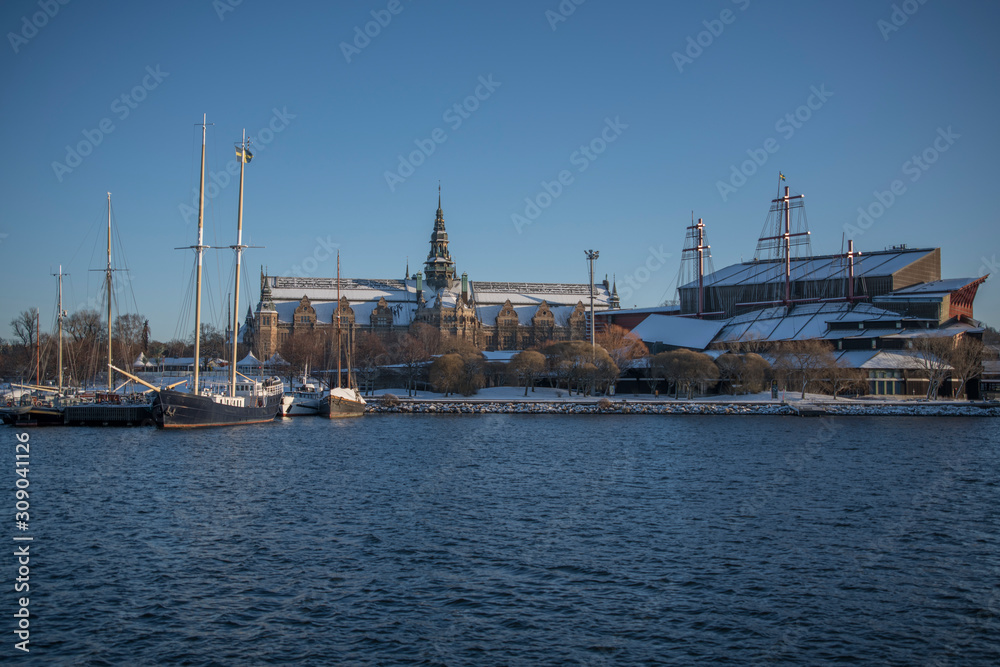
645, 408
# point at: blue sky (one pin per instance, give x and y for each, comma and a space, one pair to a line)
668, 99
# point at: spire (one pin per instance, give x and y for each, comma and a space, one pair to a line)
406, 276
266, 300
615, 301
439, 269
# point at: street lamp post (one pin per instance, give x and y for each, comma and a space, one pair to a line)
591, 256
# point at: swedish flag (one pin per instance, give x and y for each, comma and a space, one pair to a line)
244, 154
781, 176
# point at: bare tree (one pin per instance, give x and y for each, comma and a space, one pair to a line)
473, 379
746, 373
578, 363
932, 353
684, 368
430, 338
447, 373
806, 360
528, 366
85, 325
967, 359
370, 356
842, 377
623, 346
300, 350
127, 333
25, 328
412, 354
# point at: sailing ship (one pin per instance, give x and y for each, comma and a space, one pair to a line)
342, 401
243, 401
108, 408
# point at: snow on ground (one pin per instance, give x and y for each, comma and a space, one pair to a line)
551, 395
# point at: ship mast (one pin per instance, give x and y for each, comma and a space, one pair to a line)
338, 319
107, 280
243, 155
60, 275
199, 250
38, 348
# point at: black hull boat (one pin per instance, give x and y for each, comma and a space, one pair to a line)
32, 415
340, 402
238, 401
176, 409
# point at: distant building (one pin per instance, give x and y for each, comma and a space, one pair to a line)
869, 306
492, 315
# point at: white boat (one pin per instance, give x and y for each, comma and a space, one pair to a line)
303, 400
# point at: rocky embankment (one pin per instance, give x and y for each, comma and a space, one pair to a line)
686, 408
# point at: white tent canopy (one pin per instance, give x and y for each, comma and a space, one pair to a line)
249, 361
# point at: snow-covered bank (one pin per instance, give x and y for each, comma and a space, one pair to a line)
678, 408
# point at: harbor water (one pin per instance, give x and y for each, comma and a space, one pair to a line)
516, 539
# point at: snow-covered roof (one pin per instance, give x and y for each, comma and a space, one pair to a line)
820, 267
935, 288
678, 331
249, 360
534, 293
802, 321
855, 358
893, 360
401, 297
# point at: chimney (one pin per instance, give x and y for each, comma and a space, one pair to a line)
420, 285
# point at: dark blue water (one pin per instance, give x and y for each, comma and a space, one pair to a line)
507, 540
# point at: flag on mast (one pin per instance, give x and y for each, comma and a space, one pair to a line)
244, 154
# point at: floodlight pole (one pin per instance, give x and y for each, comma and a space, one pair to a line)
591, 256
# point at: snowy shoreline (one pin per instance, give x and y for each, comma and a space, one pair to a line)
445, 406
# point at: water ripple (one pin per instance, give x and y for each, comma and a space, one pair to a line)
505, 539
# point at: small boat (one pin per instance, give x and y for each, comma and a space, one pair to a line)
342, 401
243, 401
303, 400
31, 409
